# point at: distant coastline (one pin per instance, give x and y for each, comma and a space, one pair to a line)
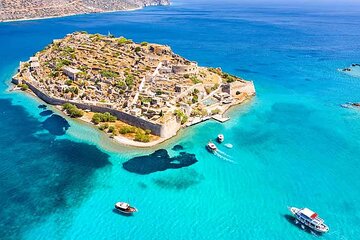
68, 15
74, 12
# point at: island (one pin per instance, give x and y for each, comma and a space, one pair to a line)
11, 10
139, 93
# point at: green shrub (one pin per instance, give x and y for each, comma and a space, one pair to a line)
195, 99
127, 129
144, 44
103, 117
216, 86
215, 111
121, 85
23, 87
69, 50
181, 116
195, 80
103, 126
208, 90
184, 119
228, 78
111, 129
108, 74
123, 40
141, 136
129, 80
68, 82
72, 110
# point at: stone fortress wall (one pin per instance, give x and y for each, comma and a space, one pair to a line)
166, 130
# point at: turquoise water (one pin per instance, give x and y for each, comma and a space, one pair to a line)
293, 143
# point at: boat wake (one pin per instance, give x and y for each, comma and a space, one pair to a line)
228, 145
223, 154
224, 157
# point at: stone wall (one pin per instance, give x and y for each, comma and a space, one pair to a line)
15, 80
239, 86
185, 69
163, 130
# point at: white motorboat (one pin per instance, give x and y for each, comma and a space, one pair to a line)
220, 138
125, 208
211, 147
307, 217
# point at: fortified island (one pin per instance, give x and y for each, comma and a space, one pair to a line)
11, 10
134, 91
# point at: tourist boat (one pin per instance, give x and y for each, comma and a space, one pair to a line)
350, 105
125, 208
220, 138
211, 147
307, 217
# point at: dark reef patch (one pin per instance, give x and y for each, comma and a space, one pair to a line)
142, 185
290, 113
178, 147
56, 125
42, 106
179, 181
46, 113
242, 70
158, 161
43, 175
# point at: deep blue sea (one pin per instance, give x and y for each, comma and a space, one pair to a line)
293, 145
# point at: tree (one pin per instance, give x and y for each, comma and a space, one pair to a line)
111, 129
23, 87
181, 116
195, 80
123, 40
215, 111
109, 74
129, 80
68, 82
103, 126
103, 117
141, 136
72, 110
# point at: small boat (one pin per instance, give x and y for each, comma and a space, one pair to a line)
211, 147
310, 219
350, 105
220, 138
125, 208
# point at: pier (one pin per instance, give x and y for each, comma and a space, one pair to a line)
220, 118
198, 120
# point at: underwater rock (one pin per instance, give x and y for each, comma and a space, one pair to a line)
159, 161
